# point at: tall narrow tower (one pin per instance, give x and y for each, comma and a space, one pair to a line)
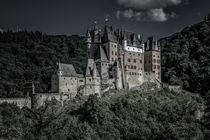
88, 44
152, 58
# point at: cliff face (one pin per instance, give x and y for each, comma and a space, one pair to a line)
185, 57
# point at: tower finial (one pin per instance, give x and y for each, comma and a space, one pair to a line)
95, 25
106, 20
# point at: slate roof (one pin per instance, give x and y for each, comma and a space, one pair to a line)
68, 70
89, 68
130, 38
101, 55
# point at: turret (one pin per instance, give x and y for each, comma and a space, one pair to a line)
124, 41
88, 39
156, 45
59, 72
94, 71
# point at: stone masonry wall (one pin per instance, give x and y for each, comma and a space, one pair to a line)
20, 102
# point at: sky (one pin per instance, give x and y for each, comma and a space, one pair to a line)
158, 18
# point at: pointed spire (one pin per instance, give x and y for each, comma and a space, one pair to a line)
88, 37
134, 40
88, 33
124, 36
106, 20
95, 25
59, 69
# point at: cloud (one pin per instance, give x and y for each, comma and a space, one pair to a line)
157, 15
147, 10
148, 4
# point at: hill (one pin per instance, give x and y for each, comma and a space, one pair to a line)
186, 58
32, 56
129, 115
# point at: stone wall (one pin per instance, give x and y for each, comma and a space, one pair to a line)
69, 85
20, 102
92, 86
39, 99
134, 80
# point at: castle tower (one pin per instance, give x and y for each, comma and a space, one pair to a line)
152, 58
118, 78
88, 44
124, 41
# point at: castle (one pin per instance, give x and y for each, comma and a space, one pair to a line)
116, 59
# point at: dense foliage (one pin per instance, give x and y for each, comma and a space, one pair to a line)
129, 115
186, 58
32, 56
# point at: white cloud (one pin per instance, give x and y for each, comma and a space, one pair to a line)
148, 4
147, 10
157, 15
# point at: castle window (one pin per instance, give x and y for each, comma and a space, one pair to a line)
154, 67
129, 60
102, 64
115, 46
139, 54
140, 61
130, 53
153, 55
68, 89
116, 53
154, 60
134, 60
132, 73
131, 66
158, 56
112, 59
80, 80
128, 66
89, 79
158, 67
134, 67
149, 61
112, 53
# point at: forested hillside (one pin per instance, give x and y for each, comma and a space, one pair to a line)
157, 115
186, 58
32, 56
